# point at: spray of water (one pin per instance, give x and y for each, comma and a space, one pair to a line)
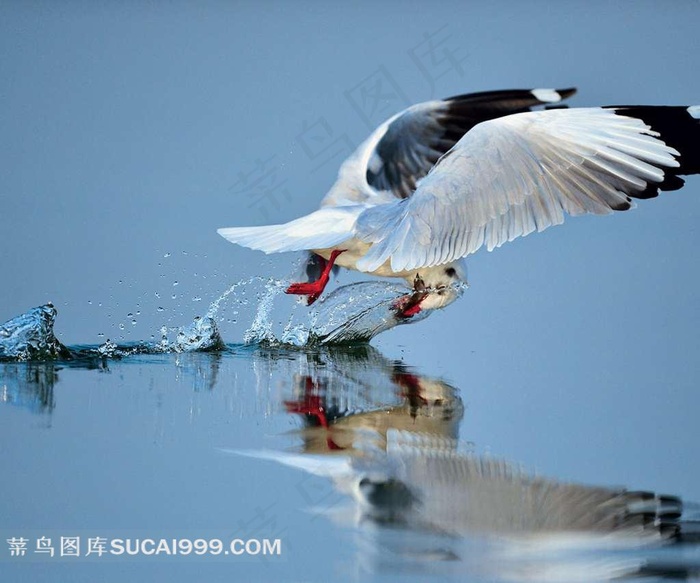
352, 313
261, 329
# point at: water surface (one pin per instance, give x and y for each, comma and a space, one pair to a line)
208, 444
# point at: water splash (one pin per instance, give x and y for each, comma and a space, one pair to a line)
216, 305
353, 313
358, 312
261, 329
30, 336
201, 334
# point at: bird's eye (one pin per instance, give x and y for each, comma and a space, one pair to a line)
450, 271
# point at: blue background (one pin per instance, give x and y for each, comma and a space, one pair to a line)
131, 131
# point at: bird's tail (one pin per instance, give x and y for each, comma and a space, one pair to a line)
322, 229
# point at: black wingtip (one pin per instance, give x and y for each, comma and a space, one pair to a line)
566, 93
679, 128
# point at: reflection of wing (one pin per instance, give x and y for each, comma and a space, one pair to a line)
403, 149
461, 493
513, 175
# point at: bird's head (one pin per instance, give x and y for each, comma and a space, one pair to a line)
433, 289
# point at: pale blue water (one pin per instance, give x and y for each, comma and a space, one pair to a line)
169, 446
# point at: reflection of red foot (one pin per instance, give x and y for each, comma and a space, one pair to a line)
314, 289
411, 391
312, 406
411, 385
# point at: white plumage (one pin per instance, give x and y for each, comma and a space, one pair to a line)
439, 181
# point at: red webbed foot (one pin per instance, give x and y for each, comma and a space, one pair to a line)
314, 289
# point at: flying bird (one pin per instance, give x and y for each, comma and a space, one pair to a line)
440, 180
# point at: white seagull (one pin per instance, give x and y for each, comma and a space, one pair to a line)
441, 179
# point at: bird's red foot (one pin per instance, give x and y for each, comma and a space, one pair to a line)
314, 289
409, 305
409, 312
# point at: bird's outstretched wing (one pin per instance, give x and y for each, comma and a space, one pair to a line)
403, 149
513, 175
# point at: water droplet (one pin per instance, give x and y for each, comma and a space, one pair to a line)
196, 299
138, 312
166, 255
176, 283
173, 297
120, 282
160, 309
101, 335
89, 302
100, 304
157, 294
129, 315
121, 326
133, 322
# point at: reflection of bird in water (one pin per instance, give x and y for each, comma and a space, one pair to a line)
387, 439
402, 463
430, 502
419, 482
334, 420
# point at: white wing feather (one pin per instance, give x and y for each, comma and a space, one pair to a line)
511, 176
321, 229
